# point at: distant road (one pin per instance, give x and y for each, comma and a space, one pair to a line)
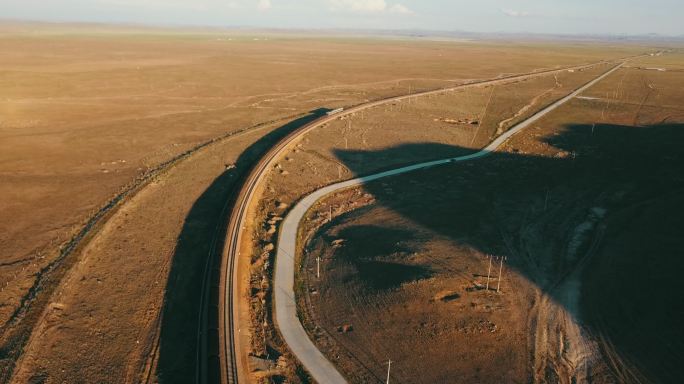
320, 368
231, 361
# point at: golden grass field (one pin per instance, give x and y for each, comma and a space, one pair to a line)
89, 112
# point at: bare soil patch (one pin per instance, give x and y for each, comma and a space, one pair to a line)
376, 139
572, 203
86, 113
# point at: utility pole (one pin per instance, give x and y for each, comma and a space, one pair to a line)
484, 113
498, 283
318, 267
489, 270
389, 366
546, 199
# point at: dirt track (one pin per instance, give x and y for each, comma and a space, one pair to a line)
88, 126
562, 222
286, 306
156, 206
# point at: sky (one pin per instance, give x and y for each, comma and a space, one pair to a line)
614, 17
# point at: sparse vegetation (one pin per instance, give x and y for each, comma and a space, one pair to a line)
562, 220
120, 149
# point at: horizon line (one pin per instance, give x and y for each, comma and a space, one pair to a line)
380, 32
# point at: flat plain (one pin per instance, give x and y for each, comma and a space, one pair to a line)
119, 147
571, 202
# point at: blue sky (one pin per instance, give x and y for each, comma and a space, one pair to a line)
537, 16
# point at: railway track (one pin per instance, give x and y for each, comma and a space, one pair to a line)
14, 334
230, 359
320, 368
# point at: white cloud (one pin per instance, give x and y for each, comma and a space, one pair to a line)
368, 6
513, 13
264, 5
358, 5
158, 4
400, 8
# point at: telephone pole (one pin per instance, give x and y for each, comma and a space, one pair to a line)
498, 283
389, 366
489, 271
546, 199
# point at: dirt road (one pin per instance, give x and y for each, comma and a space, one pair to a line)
231, 338
314, 361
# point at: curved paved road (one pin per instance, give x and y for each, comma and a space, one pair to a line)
320, 368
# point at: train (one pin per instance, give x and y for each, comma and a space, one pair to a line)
334, 111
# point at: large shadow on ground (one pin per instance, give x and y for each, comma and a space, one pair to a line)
613, 198
204, 226
370, 241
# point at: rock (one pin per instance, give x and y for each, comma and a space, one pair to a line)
337, 243
259, 364
562, 155
282, 362
269, 247
57, 306
446, 296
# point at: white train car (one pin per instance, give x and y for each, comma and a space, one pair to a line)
334, 111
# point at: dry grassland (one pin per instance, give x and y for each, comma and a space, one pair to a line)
584, 204
85, 115
383, 137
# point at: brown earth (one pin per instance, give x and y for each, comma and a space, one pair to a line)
85, 115
439, 126
584, 205
102, 326
443, 119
